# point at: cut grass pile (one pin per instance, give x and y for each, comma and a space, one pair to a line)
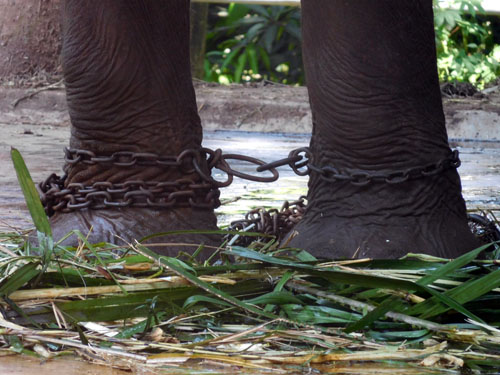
255, 308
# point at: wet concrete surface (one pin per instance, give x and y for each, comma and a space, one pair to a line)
41, 146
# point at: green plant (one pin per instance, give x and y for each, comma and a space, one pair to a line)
465, 47
253, 42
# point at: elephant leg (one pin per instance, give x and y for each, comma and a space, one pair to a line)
374, 93
129, 89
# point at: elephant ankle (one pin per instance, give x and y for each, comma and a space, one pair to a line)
123, 226
335, 237
125, 196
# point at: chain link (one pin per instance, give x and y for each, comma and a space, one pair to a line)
279, 223
201, 192
272, 222
363, 178
183, 192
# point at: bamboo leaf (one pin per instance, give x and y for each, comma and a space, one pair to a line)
19, 278
193, 300
134, 329
452, 266
30, 193
319, 314
275, 298
135, 304
98, 257
392, 304
165, 261
330, 274
279, 287
463, 293
403, 335
368, 281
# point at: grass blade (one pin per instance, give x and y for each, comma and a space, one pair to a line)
390, 304
31, 196
452, 266
19, 278
463, 293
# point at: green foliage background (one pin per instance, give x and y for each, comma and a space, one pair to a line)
465, 43
248, 43
252, 43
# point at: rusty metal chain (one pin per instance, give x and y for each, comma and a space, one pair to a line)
485, 230
273, 221
202, 192
188, 161
301, 161
184, 192
279, 223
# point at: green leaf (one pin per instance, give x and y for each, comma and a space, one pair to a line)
279, 287
259, 9
392, 303
252, 58
31, 197
269, 37
197, 231
135, 329
319, 314
294, 30
439, 18
165, 261
229, 58
452, 266
404, 335
275, 298
117, 307
462, 294
238, 71
19, 278
98, 257
330, 274
15, 343
179, 263
252, 32
265, 58
235, 12
305, 256
336, 276
193, 300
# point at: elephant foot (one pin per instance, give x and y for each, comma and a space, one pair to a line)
125, 225
334, 237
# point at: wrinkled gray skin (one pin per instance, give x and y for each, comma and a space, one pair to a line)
129, 88
373, 86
